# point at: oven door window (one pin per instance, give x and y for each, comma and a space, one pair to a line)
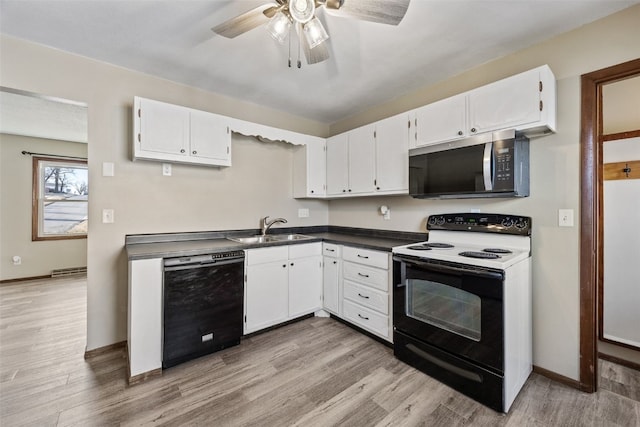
445, 307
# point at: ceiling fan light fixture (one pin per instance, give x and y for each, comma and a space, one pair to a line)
302, 10
279, 27
314, 32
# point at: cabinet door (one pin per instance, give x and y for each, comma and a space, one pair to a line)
164, 128
362, 160
210, 137
305, 285
266, 291
441, 121
330, 277
507, 103
337, 164
392, 154
316, 167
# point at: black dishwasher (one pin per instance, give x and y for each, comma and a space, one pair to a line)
203, 305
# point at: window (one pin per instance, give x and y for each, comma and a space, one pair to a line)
60, 199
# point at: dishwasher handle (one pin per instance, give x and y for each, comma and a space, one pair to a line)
176, 264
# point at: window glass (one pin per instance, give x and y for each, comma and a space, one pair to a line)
61, 194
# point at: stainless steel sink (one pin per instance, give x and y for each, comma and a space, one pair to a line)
251, 240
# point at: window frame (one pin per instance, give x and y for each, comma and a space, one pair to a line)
37, 190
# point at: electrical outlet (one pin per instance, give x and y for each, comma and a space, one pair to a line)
166, 169
565, 217
108, 216
16, 260
108, 169
303, 213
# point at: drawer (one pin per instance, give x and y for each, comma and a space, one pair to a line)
365, 256
366, 296
305, 250
369, 276
264, 255
330, 249
366, 318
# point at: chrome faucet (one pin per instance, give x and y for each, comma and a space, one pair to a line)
266, 225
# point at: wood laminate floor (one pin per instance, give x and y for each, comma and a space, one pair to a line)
317, 372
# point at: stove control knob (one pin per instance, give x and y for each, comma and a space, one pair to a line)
432, 220
521, 223
440, 220
507, 222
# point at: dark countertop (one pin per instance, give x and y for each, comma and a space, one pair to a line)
188, 244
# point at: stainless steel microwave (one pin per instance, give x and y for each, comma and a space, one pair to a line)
494, 164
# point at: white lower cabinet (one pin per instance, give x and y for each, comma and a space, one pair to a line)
281, 283
331, 277
367, 290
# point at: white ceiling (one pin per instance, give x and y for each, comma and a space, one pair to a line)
29, 114
370, 63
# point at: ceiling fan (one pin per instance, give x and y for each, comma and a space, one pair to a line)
282, 16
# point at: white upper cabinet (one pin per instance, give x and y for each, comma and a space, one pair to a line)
525, 102
210, 137
444, 120
171, 133
392, 154
362, 160
309, 168
337, 165
164, 129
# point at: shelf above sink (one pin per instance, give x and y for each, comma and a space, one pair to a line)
269, 238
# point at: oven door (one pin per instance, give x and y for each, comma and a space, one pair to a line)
455, 307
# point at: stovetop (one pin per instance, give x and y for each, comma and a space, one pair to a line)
489, 240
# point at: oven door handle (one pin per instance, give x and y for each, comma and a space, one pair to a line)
447, 269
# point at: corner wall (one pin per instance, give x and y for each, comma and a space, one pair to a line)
194, 198
38, 258
555, 168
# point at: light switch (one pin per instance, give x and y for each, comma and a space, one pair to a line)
108, 169
565, 217
108, 216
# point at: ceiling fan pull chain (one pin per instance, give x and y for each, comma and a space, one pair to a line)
299, 43
289, 47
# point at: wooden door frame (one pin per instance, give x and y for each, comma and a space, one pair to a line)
590, 210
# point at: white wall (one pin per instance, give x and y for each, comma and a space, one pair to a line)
193, 199
555, 172
40, 257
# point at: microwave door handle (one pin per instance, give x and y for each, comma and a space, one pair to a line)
486, 166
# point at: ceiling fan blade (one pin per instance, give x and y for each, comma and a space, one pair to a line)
246, 22
388, 12
317, 54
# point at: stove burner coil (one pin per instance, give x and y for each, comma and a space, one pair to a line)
419, 248
497, 251
437, 245
483, 255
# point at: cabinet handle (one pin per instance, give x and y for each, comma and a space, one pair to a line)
473, 130
363, 256
312, 191
335, 262
377, 188
363, 275
284, 265
194, 152
349, 190
291, 264
182, 150
362, 317
330, 250
363, 296
344, 191
460, 132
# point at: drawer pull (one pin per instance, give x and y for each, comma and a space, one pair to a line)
363, 296
329, 250
362, 317
363, 275
363, 256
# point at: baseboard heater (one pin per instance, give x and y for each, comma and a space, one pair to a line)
73, 271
